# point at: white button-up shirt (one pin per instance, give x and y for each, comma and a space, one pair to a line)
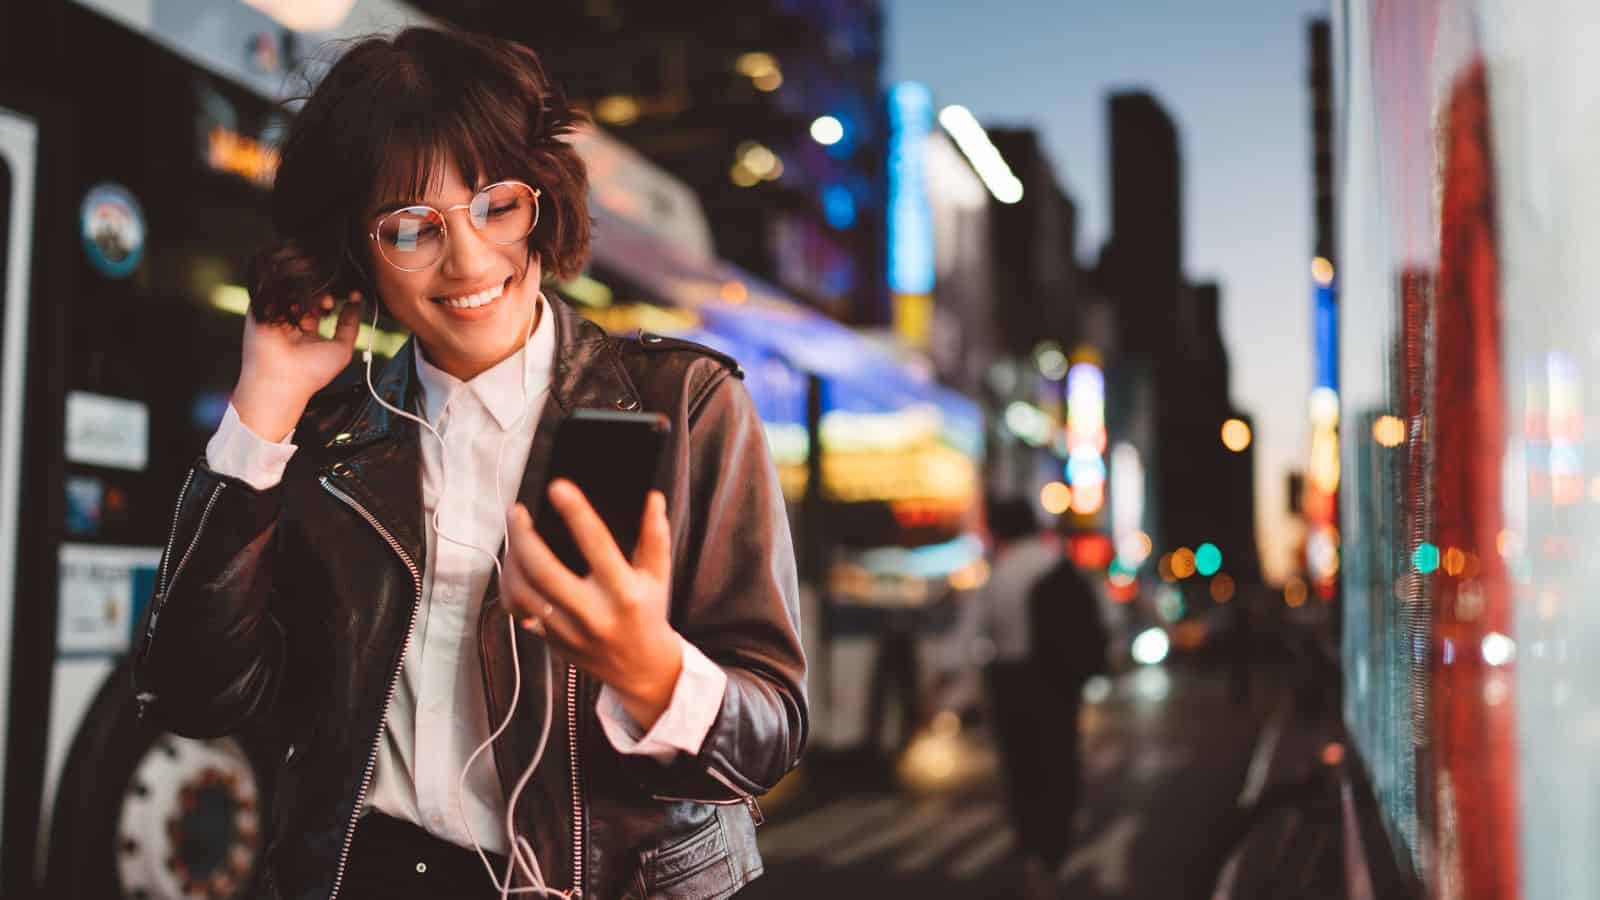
439, 716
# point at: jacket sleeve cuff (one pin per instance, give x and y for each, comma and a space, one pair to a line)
238, 452
683, 726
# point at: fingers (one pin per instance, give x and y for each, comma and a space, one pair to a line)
539, 590
349, 321
591, 535
304, 316
307, 320
556, 625
654, 553
534, 611
535, 565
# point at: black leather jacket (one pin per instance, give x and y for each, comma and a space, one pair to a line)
291, 608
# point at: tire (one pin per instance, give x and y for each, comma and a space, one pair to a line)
142, 814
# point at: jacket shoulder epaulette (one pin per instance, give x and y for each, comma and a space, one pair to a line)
658, 343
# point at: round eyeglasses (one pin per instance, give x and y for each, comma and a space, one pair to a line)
412, 238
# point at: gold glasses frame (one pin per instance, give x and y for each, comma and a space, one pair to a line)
444, 225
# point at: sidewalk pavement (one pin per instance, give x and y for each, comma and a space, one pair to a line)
1165, 757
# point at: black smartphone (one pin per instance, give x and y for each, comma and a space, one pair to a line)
613, 457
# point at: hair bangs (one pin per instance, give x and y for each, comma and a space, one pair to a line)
427, 135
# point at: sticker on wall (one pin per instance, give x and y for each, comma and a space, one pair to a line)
112, 226
100, 596
85, 505
107, 431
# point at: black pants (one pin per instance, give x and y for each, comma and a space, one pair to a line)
391, 859
1036, 728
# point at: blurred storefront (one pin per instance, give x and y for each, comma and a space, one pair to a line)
139, 172
1467, 194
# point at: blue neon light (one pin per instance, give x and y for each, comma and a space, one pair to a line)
839, 206
1327, 337
910, 217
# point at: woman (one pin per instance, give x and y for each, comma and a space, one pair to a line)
331, 578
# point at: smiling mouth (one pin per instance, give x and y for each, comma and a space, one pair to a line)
473, 301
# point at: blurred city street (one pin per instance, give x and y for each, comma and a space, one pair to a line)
1165, 750
1034, 388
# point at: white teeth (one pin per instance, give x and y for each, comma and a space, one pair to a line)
473, 301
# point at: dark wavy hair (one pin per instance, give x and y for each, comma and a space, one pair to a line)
375, 129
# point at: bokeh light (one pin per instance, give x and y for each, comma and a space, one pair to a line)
1425, 558
827, 131
1207, 559
1151, 646
1389, 431
1236, 435
1088, 498
1169, 604
1222, 588
1322, 271
1498, 649
618, 109
1051, 361
1324, 407
1183, 564
1056, 498
1133, 548
1294, 593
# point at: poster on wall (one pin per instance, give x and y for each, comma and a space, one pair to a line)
103, 590
107, 431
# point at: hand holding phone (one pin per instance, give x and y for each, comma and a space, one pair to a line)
605, 604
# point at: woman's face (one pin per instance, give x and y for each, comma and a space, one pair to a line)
470, 269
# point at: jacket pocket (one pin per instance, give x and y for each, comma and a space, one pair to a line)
695, 867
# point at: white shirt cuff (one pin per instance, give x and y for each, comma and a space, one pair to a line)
238, 452
682, 728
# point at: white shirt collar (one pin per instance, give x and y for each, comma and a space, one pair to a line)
500, 388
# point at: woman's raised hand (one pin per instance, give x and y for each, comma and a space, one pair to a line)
284, 364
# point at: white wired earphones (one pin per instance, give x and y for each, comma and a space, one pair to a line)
521, 853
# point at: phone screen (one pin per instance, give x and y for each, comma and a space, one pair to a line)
613, 457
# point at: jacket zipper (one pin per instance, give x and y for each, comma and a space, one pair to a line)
749, 798
745, 797
394, 679
172, 533
193, 542
577, 781
143, 698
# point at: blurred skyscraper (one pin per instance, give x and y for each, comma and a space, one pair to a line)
1036, 266
1171, 363
1142, 262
